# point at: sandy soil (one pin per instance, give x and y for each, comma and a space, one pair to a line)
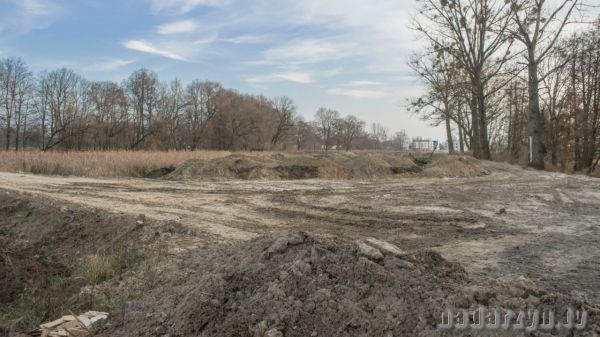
514, 222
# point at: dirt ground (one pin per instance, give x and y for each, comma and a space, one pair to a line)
511, 223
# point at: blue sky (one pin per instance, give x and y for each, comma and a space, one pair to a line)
348, 55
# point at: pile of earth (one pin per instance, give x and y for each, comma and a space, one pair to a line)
296, 285
49, 250
336, 165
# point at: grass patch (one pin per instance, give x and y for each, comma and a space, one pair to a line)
56, 295
97, 268
159, 173
422, 161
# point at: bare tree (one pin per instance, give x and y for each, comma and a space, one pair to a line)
142, 87
349, 129
284, 112
439, 103
379, 133
61, 90
201, 98
538, 26
474, 33
15, 87
400, 141
325, 124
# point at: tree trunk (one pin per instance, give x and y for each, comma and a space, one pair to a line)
484, 143
449, 135
475, 139
461, 140
8, 118
535, 121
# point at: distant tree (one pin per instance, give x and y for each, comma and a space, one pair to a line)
379, 134
348, 129
142, 87
400, 140
284, 112
15, 88
202, 106
325, 125
62, 92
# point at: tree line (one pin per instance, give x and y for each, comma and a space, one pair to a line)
506, 78
61, 110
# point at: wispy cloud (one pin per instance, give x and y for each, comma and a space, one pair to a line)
305, 51
181, 26
297, 77
248, 39
110, 65
147, 47
28, 15
182, 6
357, 93
363, 83
37, 7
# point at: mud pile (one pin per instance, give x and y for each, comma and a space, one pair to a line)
296, 285
327, 166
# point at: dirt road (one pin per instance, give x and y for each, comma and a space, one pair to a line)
544, 226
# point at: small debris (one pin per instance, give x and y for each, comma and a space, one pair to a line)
274, 333
385, 247
369, 252
502, 211
71, 325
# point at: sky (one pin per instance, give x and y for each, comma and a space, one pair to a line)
348, 55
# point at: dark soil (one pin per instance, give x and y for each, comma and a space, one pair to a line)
335, 165
296, 285
42, 242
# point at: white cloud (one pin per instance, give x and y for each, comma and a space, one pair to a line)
182, 6
110, 65
363, 83
248, 39
306, 51
296, 77
181, 26
37, 7
29, 15
147, 47
357, 93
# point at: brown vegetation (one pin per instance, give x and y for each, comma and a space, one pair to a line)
99, 163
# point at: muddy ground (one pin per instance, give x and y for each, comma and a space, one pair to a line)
514, 222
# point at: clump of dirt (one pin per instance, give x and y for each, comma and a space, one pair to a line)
296, 285
335, 165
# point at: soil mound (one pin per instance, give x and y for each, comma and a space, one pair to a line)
335, 165
455, 167
296, 285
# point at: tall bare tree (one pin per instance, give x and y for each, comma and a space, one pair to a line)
474, 33
202, 107
142, 87
15, 87
538, 25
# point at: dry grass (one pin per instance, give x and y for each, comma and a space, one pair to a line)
98, 164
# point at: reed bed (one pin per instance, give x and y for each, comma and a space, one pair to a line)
98, 163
